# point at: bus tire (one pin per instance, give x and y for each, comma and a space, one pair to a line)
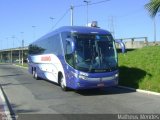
35, 75
61, 82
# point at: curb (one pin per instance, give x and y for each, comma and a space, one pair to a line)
5, 111
8, 112
140, 91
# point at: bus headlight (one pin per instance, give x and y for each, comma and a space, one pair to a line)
116, 75
82, 77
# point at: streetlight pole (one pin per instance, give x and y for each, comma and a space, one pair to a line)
11, 49
155, 32
87, 2
13, 40
52, 21
71, 14
7, 42
1, 45
22, 46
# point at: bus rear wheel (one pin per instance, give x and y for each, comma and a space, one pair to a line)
35, 75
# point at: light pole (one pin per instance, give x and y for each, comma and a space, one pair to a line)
11, 49
1, 45
22, 46
87, 2
155, 36
7, 42
71, 14
13, 40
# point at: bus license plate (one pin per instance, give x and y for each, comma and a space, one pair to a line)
100, 85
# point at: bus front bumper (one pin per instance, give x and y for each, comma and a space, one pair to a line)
88, 83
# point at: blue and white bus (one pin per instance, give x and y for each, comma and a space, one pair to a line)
75, 57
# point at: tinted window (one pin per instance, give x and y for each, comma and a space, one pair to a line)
47, 46
34, 49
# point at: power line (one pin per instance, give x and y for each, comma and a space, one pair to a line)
82, 5
99, 2
61, 18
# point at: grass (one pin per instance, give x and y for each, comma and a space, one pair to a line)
141, 68
24, 64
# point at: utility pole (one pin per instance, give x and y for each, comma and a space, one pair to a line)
155, 32
13, 40
19, 55
11, 56
11, 49
7, 42
87, 2
1, 46
52, 21
111, 25
22, 46
71, 14
22, 50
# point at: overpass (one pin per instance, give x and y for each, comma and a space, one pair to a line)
14, 55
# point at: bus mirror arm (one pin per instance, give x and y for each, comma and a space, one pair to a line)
121, 43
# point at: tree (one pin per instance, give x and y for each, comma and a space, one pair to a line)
153, 7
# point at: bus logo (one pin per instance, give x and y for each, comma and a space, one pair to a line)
45, 58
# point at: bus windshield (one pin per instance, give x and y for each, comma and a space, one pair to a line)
94, 53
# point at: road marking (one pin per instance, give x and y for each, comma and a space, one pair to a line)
141, 91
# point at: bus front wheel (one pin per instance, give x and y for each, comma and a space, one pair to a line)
61, 82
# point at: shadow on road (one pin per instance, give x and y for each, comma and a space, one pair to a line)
104, 91
11, 75
18, 110
9, 84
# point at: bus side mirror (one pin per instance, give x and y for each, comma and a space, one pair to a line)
70, 45
121, 43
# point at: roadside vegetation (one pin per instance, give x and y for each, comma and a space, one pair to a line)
24, 64
153, 7
141, 68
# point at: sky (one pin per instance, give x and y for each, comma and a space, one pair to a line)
29, 20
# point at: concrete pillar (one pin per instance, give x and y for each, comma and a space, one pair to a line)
146, 41
19, 56
11, 57
1, 57
132, 42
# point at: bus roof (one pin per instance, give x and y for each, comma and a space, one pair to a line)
82, 29
78, 29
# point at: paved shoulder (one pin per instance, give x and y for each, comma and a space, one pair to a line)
5, 111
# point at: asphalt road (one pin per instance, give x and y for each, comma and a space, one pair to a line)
29, 96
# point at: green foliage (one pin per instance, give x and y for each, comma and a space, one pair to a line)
141, 68
24, 64
153, 7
